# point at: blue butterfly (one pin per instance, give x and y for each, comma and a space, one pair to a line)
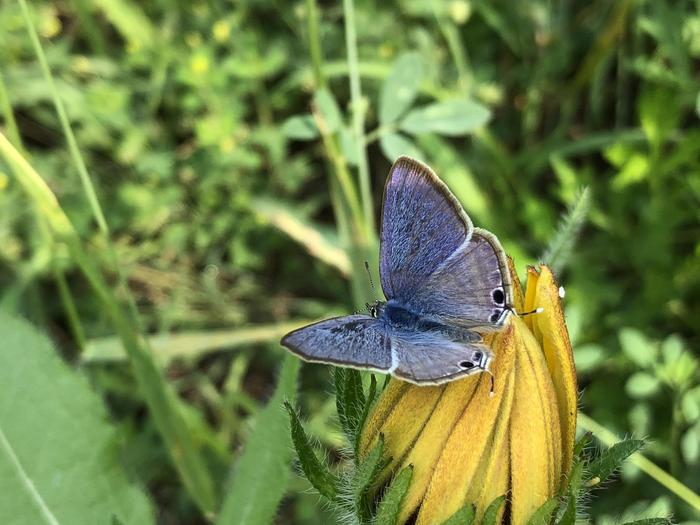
445, 281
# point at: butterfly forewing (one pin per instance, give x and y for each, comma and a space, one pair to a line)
422, 225
432, 261
353, 340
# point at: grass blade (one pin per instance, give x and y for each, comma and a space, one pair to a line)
262, 473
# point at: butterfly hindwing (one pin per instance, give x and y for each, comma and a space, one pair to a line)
471, 288
431, 359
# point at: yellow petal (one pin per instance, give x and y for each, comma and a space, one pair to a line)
459, 461
497, 472
377, 417
518, 298
403, 423
534, 430
530, 290
426, 451
550, 330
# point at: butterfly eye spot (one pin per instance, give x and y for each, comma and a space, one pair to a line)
495, 316
466, 364
477, 355
498, 296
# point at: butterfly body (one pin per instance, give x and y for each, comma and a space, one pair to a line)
445, 283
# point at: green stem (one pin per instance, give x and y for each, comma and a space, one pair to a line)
315, 44
358, 117
8, 114
644, 464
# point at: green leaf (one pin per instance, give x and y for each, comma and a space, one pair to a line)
638, 348
316, 472
588, 357
543, 515
367, 470
329, 109
582, 443
464, 516
650, 521
610, 460
491, 513
300, 127
569, 516
59, 456
260, 478
641, 385
365, 410
400, 87
394, 145
350, 402
451, 118
390, 505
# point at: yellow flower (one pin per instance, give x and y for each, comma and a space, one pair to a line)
468, 445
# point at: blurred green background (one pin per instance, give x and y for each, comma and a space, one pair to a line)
239, 150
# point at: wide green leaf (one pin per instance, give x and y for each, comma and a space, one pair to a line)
395, 144
451, 117
261, 475
400, 87
58, 453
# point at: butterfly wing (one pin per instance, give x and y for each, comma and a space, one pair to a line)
432, 260
422, 225
470, 288
358, 341
429, 359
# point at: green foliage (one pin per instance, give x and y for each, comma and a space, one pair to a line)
389, 507
491, 512
261, 475
59, 457
316, 472
237, 169
464, 516
543, 515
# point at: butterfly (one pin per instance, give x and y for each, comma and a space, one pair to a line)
445, 281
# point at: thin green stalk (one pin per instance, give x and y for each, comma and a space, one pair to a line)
77, 157
644, 464
89, 25
9, 115
315, 44
346, 206
160, 398
63, 291
65, 124
358, 118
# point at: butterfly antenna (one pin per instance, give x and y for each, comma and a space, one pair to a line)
535, 311
369, 274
